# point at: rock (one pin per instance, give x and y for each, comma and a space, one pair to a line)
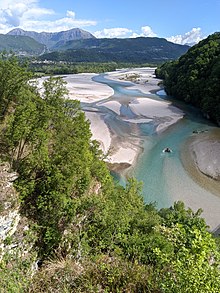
16, 239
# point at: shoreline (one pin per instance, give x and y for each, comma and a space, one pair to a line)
192, 163
208, 199
122, 148
115, 123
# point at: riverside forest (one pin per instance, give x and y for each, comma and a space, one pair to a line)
194, 77
73, 228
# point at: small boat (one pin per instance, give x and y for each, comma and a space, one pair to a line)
167, 150
200, 131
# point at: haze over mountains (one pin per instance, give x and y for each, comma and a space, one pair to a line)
77, 45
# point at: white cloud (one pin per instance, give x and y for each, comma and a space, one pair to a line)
117, 32
71, 14
146, 31
61, 24
192, 37
36, 13
13, 12
29, 15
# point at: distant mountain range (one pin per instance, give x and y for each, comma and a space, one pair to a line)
131, 50
77, 45
50, 39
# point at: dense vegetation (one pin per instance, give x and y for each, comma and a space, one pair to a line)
138, 50
91, 235
53, 68
195, 77
20, 45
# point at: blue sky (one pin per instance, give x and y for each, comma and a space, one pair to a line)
179, 21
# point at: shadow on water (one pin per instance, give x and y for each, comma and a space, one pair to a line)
191, 113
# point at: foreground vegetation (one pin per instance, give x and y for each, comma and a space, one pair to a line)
87, 233
195, 77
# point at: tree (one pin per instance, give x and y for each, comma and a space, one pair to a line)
193, 266
13, 79
194, 78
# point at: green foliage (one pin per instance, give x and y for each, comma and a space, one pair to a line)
10, 88
72, 67
193, 266
15, 272
43, 141
194, 78
102, 274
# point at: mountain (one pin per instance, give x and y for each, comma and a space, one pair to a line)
50, 39
134, 50
21, 45
194, 78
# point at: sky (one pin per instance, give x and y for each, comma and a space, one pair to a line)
178, 21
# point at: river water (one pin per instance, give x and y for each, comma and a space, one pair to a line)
163, 176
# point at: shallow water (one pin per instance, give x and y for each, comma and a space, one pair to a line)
164, 178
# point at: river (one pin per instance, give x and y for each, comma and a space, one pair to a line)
164, 176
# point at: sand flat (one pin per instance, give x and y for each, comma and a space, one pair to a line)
81, 87
145, 110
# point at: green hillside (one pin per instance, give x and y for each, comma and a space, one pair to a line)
195, 77
20, 44
138, 50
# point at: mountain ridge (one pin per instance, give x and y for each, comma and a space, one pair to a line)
50, 39
134, 50
76, 45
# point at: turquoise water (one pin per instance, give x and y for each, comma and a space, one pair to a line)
163, 176
151, 167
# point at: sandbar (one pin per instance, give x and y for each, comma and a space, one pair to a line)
132, 110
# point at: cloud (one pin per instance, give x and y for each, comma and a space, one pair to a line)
29, 15
119, 32
61, 24
113, 32
13, 12
146, 31
192, 37
71, 14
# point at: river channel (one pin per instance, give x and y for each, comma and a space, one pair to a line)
163, 175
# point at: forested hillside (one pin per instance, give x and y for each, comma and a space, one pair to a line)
21, 45
131, 50
84, 232
195, 77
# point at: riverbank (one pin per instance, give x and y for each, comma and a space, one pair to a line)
201, 159
143, 79
122, 149
205, 149
122, 118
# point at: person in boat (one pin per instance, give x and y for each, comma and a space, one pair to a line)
167, 150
